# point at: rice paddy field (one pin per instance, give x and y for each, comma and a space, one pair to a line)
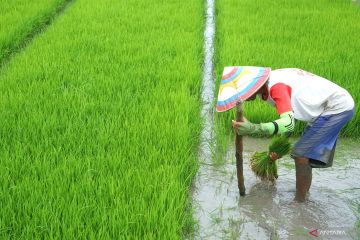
100, 104
100, 121
20, 20
321, 37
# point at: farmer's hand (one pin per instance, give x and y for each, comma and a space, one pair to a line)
245, 127
236, 126
273, 156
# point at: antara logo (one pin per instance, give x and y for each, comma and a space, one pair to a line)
320, 232
314, 233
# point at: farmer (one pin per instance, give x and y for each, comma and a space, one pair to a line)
301, 95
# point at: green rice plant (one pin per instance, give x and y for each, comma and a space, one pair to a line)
21, 19
317, 36
100, 123
261, 163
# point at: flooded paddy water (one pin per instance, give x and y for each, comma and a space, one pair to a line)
268, 210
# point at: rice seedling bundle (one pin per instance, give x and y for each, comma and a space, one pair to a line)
261, 163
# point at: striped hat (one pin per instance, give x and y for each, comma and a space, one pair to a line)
238, 84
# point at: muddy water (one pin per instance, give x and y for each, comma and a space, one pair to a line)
268, 210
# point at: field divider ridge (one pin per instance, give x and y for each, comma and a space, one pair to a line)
42, 26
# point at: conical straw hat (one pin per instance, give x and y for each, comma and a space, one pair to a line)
238, 84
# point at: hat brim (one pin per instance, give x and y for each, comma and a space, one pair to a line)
239, 84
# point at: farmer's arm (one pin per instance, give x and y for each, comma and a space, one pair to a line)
281, 94
283, 125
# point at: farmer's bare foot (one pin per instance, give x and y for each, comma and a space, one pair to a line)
299, 198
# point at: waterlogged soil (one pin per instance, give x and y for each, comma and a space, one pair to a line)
268, 210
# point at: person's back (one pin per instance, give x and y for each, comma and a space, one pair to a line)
311, 95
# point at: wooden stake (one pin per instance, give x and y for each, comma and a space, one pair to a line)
239, 151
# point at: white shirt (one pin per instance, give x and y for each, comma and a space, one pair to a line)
311, 95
